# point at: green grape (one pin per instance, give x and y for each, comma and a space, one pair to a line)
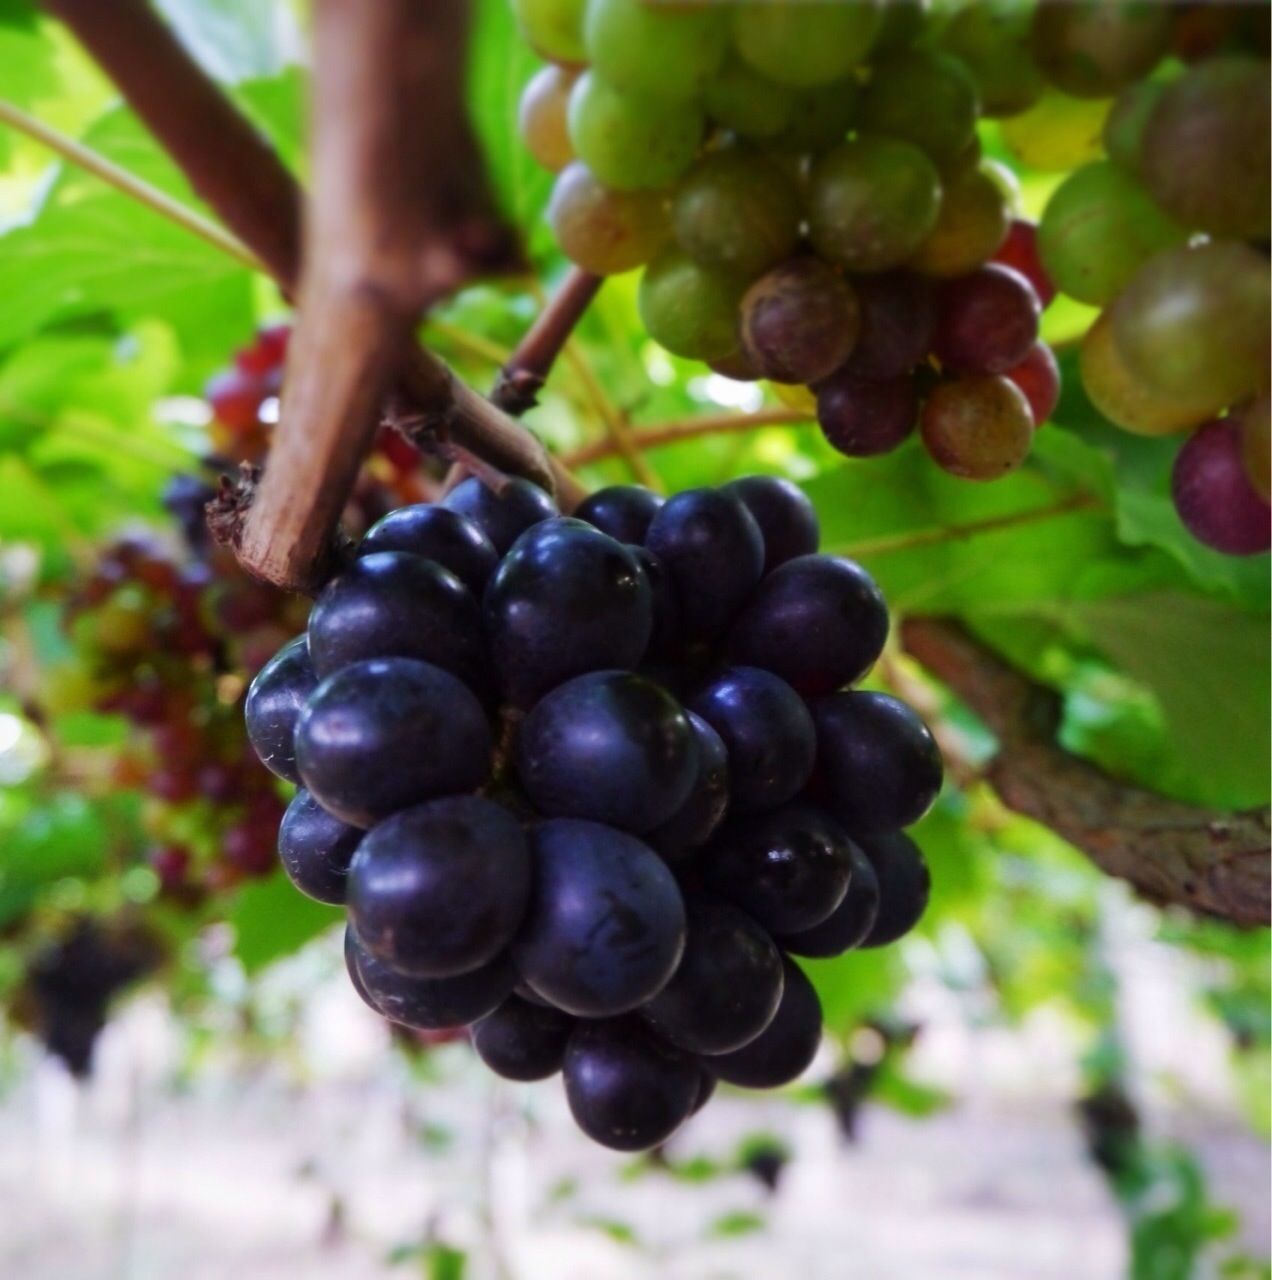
819, 118
804, 45
991, 39
1127, 119
741, 99
924, 97
737, 212
659, 50
1003, 176
690, 309
1057, 133
872, 203
902, 25
631, 142
605, 231
1194, 324
553, 28
1205, 145
1255, 420
1091, 48
541, 117
970, 157
1099, 227
979, 427
971, 224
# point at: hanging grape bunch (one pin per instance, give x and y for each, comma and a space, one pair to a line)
590, 783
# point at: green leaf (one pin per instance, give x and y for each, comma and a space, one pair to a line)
738, 1222
236, 39
271, 920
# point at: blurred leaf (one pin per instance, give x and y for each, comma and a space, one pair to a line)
271, 920
740, 1222
236, 39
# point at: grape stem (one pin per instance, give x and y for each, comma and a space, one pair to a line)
1213, 862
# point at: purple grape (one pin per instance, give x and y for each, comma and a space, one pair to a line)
1213, 494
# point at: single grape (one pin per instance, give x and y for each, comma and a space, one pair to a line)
1091, 48
978, 427
862, 418
1213, 494
367, 739
706, 1088
315, 849
1126, 123
872, 203
788, 868
606, 232
818, 118
733, 212
785, 1049
986, 321
970, 227
523, 1041
553, 28
787, 519
1057, 133
1256, 444
606, 924
736, 366
235, 398
904, 885
877, 760
566, 599
274, 702
902, 25
663, 51
632, 142
690, 309
739, 98
850, 923
805, 45
704, 808
541, 117
666, 635
799, 321
924, 97
624, 511
1038, 376
713, 550
818, 621
727, 987
503, 516
626, 1089
438, 534
897, 316
767, 731
1019, 251
440, 889
990, 38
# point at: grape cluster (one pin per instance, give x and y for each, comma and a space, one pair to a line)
589, 783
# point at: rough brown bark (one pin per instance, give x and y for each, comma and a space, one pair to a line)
1212, 862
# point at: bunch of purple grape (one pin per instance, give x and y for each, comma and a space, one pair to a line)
590, 783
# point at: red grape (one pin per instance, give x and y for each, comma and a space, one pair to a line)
1213, 495
235, 397
1020, 252
986, 321
1038, 376
862, 418
897, 316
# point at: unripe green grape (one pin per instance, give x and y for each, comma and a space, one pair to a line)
632, 142
978, 428
690, 309
605, 231
1099, 227
659, 50
1057, 133
991, 39
804, 45
553, 28
872, 203
901, 26
1127, 119
819, 118
741, 99
971, 225
737, 212
924, 97
1091, 48
541, 117
1194, 324
1204, 148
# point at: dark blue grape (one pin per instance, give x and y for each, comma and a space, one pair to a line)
788, 868
702, 812
273, 706
523, 1041
383, 735
666, 636
503, 516
438, 534
606, 923
395, 605
904, 886
610, 746
440, 889
767, 731
848, 925
706, 1087
877, 761
714, 551
626, 1089
623, 511
784, 1050
566, 599
315, 849
819, 622
727, 987
428, 1004
787, 519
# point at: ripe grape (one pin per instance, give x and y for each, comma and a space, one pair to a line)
861, 417
503, 515
904, 885
923, 97
439, 889
872, 203
991, 40
367, 739
274, 702
986, 321
553, 28
787, 519
971, 225
541, 117
799, 322
624, 511
805, 45
1213, 494
438, 534
739, 98
977, 427
605, 927
659, 50
605, 232
1038, 376
704, 808
523, 1041
1020, 252
728, 984
850, 923
690, 309
877, 760
666, 638
1057, 133
315, 849
235, 397
897, 317
818, 621
1256, 444
1091, 48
